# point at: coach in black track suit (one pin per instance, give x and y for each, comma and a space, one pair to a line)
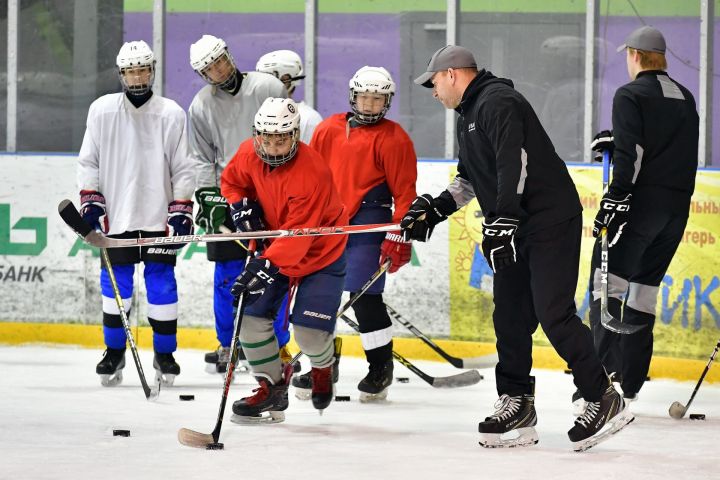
655, 151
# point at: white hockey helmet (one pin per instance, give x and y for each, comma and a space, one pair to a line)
281, 63
132, 56
208, 50
371, 80
277, 118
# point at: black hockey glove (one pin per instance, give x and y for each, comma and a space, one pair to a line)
247, 216
498, 243
92, 210
257, 276
424, 213
603, 141
212, 209
613, 215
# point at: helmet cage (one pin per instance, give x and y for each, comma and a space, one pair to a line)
228, 83
275, 160
368, 118
140, 88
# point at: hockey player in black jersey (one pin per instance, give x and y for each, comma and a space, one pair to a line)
654, 146
531, 239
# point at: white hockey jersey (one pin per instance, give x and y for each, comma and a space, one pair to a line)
220, 122
137, 158
309, 119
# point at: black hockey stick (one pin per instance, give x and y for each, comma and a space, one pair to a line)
72, 218
209, 441
485, 361
677, 410
606, 319
150, 393
464, 379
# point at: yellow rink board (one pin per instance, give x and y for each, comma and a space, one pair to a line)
90, 336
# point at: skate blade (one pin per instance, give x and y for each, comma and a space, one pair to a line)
526, 437
165, 379
303, 394
379, 397
263, 418
617, 423
111, 380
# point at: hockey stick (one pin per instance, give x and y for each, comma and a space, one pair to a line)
464, 379
485, 361
150, 393
72, 218
606, 319
677, 410
209, 441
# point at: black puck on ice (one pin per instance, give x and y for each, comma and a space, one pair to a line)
215, 446
342, 398
697, 416
403, 379
187, 398
121, 433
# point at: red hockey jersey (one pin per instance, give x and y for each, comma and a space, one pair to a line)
298, 194
364, 157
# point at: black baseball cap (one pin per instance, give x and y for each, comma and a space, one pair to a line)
449, 56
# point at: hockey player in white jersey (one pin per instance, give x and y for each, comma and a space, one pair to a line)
136, 179
221, 117
287, 66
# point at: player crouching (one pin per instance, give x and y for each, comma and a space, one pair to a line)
274, 181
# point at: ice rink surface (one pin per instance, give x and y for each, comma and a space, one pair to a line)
56, 422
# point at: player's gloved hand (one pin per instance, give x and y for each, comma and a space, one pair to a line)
212, 209
247, 216
257, 276
180, 220
421, 218
396, 249
93, 211
498, 243
612, 215
603, 141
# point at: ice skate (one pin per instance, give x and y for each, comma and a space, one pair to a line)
512, 424
374, 387
267, 405
303, 383
600, 420
110, 367
217, 361
579, 403
323, 388
166, 369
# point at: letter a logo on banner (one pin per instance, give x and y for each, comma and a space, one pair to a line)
37, 224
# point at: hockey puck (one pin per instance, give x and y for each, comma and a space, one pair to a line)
342, 398
403, 379
215, 446
697, 416
121, 433
187, 398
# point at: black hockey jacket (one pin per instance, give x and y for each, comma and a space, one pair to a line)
508, 160
656, 131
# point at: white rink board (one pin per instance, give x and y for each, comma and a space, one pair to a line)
52, 286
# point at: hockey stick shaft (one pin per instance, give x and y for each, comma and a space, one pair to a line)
702, 377
72, 218
149, 393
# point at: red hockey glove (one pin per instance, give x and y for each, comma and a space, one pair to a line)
396, 249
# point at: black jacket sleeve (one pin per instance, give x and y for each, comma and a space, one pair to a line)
629, 146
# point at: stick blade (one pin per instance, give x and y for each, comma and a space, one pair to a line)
191, 438
72, 218
677, 410
485, 361
464, 379
614, 325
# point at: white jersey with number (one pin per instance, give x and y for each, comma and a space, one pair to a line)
137, 158
309, 119
220, 122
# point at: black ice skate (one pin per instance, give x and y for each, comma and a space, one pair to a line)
166, 369
323, 388
303, 383
268, 405
110, 367
513, 415
374, 387
579, 403
217, 361
588, 430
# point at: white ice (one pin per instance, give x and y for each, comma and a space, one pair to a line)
56, 422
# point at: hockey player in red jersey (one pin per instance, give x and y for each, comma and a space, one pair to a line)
374, 167
274, 181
